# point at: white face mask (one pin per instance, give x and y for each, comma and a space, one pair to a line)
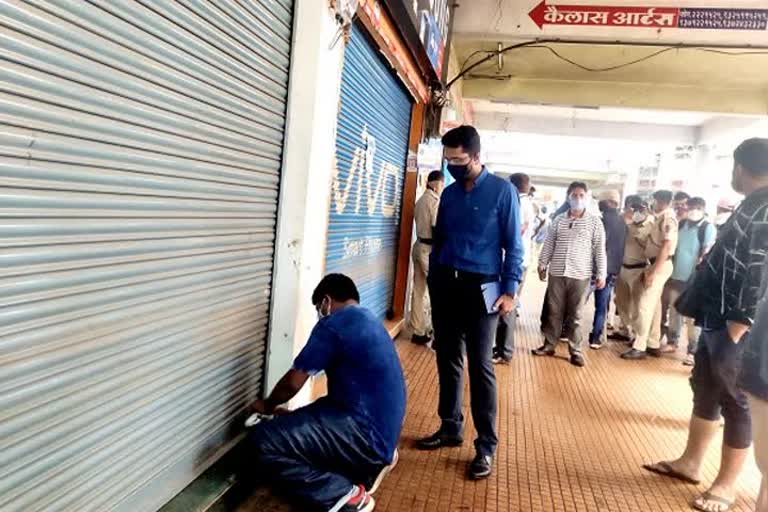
639, 218
695, 215
577, 203
321, 312
722, 218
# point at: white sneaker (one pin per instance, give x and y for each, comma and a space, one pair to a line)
595, 346
384, 472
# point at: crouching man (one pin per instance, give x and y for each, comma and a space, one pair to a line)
332, 454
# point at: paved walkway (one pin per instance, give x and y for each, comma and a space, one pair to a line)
570, 439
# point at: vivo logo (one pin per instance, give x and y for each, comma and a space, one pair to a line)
370, 184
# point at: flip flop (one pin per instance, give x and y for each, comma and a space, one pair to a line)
664, 469
707, 498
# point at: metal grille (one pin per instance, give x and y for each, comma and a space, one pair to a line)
366, 194
140, 151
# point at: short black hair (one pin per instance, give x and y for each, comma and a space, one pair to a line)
632, 200
682, 196
664, 196
521, 181
697, 202
465, 137
338, 287
577, 184
435, 176
752, 155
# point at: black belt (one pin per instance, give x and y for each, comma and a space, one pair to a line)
635, 266
653, 260
462, 275
425, 241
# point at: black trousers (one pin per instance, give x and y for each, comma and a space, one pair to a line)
461, 322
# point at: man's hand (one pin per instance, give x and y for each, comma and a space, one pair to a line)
543, 274
648, 278
600, 284
505, 304
260, 407
736, 331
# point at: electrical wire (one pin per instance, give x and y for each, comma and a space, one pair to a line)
543, 44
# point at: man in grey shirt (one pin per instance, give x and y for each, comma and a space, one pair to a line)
574, 248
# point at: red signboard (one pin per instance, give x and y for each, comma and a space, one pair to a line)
650, 17
599, 15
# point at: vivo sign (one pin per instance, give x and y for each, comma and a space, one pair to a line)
365, 188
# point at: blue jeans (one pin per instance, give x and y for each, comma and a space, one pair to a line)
315, 454
602, 303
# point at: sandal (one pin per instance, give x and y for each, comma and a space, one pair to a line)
665, 469
708, 502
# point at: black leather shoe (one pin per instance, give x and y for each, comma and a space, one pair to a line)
577, 360
438, 440
480, 467
617, 337
654, 352
543, 351
634, 354
420, 340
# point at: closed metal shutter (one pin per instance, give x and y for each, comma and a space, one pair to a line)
366, 194
140, 152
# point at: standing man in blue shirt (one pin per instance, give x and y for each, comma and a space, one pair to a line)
333, 453
475, 270
695, 238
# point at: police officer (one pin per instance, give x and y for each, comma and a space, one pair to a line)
640, 222
660, 248
425, 216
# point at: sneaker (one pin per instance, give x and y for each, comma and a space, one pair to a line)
384, 472
357, 500
595, 345
688, 361
480, 467
543, 351
500, 360
577, 359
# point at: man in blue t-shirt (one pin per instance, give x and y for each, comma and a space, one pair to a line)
696, 237
334, 453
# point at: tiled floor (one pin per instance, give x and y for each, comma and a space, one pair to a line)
570, 439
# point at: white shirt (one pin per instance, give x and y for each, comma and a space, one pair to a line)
575, 247
527, 226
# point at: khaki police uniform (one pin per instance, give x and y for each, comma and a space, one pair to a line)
425, 216
647, 323
633, 266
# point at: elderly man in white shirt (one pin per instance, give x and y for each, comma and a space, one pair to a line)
573, 251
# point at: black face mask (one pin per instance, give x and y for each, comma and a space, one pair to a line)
459, 172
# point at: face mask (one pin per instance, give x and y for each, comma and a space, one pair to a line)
459, 172
639, 218
578, 203
695, 215
722, 218
322, 314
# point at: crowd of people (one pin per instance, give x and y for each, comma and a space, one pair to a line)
674, 273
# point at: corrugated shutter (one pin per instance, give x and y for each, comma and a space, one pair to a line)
366, 194
140, 152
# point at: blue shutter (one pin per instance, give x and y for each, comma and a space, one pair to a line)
366, 194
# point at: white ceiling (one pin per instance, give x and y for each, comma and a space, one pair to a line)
605, 114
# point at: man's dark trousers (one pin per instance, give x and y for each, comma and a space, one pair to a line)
315, 454
460, 320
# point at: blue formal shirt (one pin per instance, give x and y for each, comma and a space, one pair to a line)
365, 378
478, 230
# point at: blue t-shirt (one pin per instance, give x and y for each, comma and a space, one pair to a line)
689, 248
365, 378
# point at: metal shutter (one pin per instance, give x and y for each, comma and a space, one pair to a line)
366, 194
140, 152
